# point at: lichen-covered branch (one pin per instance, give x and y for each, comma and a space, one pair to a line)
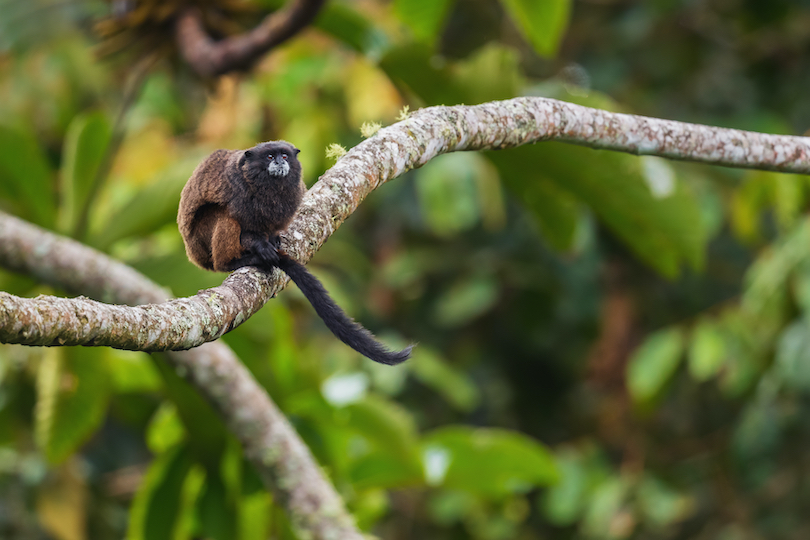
188, 322
210, 58
269, 441
498, 125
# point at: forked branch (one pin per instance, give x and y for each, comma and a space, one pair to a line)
210, 58
189, 322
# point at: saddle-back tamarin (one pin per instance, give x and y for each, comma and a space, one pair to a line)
232, 210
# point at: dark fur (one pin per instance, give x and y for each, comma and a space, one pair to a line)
231, 213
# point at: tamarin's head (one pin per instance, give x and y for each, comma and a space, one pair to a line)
274, 158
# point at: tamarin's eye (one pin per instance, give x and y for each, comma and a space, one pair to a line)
284, 157
270, 157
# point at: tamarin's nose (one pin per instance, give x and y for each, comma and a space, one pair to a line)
279, 159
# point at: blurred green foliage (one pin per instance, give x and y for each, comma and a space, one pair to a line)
610, 347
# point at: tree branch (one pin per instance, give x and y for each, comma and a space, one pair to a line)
210, 58
188, 322
270, 443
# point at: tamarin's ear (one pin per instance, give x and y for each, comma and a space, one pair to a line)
297, 151
248, 154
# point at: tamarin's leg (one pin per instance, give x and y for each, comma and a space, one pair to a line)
225, 243
197, 235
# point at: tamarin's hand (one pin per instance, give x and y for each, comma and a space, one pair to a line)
232, 210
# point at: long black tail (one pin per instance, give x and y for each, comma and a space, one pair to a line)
344, 327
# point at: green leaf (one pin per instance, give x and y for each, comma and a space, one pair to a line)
392, 459
768, 276
542, 22
86, 143
758, 432
72, 396
763, 190
423, 17
254, 516
556, 211
448, 193
604, 505
449, 506
380, 470
415, 70
789, 194
411, 69
504, 76
386, 424
582, 472
662, 231
216, 510
793, 355
707, 350
368, 507
749, 344
653, 364
660, 504
148, 210
25, 176
157, 508
352, 28
205, 430
165, 430
132, 372
454, 385
565, 501
466, 300
490, 462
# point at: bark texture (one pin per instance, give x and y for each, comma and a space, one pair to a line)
189, 322
269, 441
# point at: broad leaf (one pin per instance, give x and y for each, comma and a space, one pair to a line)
423, 17
85, 147
455, 385
385, 424
663, 232
216, 509
392, 458
414, 70
490, 462
768, 276
466, 300
72, 396
455, 193
556, 210
653, 364
25, 176
707, 350
149, 209
352, 28
157, 511
504, 77
793, 355
542, 22
410, 68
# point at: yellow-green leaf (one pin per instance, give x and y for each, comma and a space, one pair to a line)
653, 364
